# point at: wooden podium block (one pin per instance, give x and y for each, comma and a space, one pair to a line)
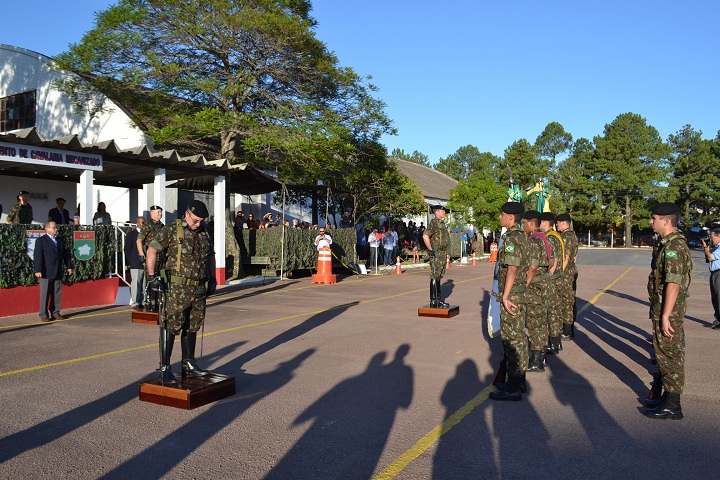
190, 392
428, 311
151, 318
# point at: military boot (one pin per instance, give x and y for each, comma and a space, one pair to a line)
165, 374
670, 408
568, 331
537, 361
556, 344
433, 293
189, 367
522, 385
657, 401
510, 390
438, 295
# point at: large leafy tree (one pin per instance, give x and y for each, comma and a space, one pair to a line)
553, 142
466, 161
695, 172
415, 156
574, 191
248, 74
525, 163
477, 201
631, 163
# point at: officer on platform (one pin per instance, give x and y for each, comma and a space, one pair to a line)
147, 233
668, 285
189, 278
437, 238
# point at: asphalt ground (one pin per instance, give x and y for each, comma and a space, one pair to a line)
345, 381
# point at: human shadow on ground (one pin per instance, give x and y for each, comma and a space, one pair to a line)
240, 295
446, 289
158, 459
294, 332
350, 423
647, 304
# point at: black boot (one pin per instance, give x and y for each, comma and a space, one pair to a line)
522, 385
167, 340
433, 293
656, 402
556, 343
510, 390
438, 295
189, 367
537, 361
568, 331
670, 408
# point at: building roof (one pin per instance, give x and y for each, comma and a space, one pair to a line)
129, 168
433, 184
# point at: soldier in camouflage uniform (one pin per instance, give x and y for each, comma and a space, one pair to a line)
190, 277
555, 325
537, 287
22, 212
569, 278
147, 233
437, 238
513, 264
668, 290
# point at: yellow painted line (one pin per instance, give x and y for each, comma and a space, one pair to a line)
434, 435
240, 327
392, 470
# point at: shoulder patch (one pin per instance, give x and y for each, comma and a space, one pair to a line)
509, 248
671, 254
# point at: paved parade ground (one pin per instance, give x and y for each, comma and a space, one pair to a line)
345, 381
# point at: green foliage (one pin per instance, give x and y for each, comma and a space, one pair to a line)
415, 157
17, 266
477, 201
466, 161
553, 141
526, 165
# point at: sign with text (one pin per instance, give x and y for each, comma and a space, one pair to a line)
14, 152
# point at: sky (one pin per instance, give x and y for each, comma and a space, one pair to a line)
490, 72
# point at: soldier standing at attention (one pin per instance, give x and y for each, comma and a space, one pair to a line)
512, 280
569, 277
191, 278
147, 233
555, 325
668, 290
22, 212
538, 282
437, 238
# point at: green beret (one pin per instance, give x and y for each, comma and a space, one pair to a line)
513, 207
531, 214
563, 217
198, 209
666, 208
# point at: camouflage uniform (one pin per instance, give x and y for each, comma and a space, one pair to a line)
515, 251
568, 284
671, 263
146, 235
439, 239
555, 285
20, 214
536, 295
186, 291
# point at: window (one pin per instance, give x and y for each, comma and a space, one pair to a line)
17, 111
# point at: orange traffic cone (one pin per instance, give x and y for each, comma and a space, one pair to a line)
448, 262
474, 262
324, 273
398, 269
493, 252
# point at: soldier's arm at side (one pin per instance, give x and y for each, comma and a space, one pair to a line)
509, 282
426, 241
139, 246
672, 290
531, 274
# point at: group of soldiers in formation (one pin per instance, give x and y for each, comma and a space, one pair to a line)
537, 278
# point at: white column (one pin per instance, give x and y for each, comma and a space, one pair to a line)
219, 228
159, 190
84, 197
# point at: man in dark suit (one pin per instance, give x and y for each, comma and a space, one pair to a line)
58, 214
50, 252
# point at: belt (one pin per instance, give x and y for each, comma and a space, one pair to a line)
185, 281
714, 271
541, 277
517, 288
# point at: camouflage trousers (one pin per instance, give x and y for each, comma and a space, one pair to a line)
514, 337
568, 287
437, 264
537, 314
555, 321
184, 308
670, 352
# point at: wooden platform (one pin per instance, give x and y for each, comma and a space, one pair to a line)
428, 311
145, 317
190, 392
